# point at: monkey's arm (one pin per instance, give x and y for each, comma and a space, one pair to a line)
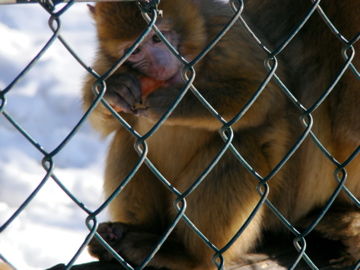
101, 118
226, 97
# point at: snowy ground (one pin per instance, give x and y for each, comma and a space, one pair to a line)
47, 103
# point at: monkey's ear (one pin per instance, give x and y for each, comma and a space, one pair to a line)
92, 10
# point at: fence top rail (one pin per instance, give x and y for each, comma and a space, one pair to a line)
7, 2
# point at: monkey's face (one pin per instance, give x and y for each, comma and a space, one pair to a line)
154, 59
152, 66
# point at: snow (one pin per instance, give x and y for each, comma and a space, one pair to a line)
47, 104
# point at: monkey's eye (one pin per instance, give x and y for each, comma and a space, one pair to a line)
137, 50
156, 39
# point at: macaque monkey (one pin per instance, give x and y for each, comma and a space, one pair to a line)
142, 89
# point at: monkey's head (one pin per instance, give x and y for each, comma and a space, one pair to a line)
119, 24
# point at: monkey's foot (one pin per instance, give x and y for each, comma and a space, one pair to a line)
135, 245
128, 241
352, 247
350, 237
112, 233
343, 224
344, 261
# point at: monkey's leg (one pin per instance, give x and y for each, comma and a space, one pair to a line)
218, 207
139, 214
144, 198
222, 203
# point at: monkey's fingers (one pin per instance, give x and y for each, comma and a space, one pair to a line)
119, 103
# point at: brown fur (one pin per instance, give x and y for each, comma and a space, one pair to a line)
187, 142
4, 266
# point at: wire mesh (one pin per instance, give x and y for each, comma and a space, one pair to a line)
271, 64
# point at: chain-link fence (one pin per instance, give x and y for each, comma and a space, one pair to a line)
305, 111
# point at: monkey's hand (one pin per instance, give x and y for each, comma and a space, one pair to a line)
124, 93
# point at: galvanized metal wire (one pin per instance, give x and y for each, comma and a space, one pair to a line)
226, 132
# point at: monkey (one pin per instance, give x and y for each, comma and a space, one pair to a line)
4, 266
218, 204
